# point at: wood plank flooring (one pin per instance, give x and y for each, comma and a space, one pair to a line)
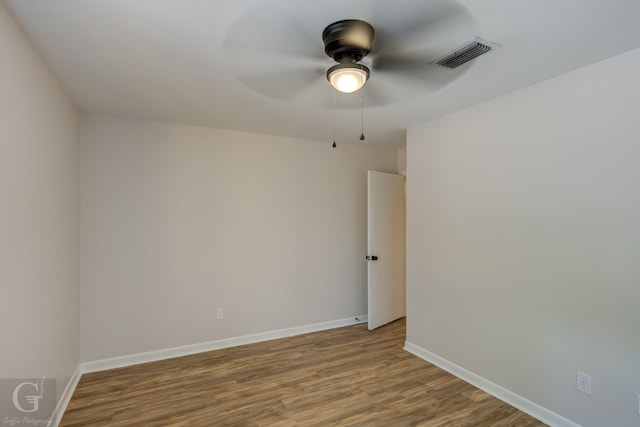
342, 377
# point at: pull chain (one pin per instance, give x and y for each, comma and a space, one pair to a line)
334, 119
362, 113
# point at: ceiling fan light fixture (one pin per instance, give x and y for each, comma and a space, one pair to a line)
348, 77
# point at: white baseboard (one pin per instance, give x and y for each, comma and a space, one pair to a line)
151, 356
66, 397
167, 353
362, 319
517, 401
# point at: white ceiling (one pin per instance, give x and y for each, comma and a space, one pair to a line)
216, 63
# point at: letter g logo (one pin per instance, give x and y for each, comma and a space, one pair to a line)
34, 400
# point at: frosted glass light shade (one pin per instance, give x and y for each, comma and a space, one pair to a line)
348, 78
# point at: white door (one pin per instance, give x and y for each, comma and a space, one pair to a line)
385, 248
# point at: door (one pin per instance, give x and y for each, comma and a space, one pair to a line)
385, 248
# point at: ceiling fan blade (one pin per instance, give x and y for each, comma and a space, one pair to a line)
376, 93
282, 85
274, 29
437, 24
430, 78
419, 68
407, 79
407, 63
242, 63
275, 52
407, 46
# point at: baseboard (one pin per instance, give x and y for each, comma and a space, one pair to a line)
152, 356
517, 401
66, 397
168, 353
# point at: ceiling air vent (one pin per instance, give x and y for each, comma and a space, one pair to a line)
465, 53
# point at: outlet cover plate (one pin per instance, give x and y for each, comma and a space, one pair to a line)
583, 383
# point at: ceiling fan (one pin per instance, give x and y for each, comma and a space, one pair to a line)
347, 42
399, 49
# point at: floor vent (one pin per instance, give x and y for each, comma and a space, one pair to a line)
465, 53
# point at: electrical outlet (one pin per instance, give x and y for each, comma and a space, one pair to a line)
219, 314
583, 383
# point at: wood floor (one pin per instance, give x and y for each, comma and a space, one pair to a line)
341, 377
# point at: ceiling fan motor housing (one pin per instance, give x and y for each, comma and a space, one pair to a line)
349, 39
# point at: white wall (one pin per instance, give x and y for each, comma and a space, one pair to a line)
39, 215
179, 220
524, 240
402, 161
